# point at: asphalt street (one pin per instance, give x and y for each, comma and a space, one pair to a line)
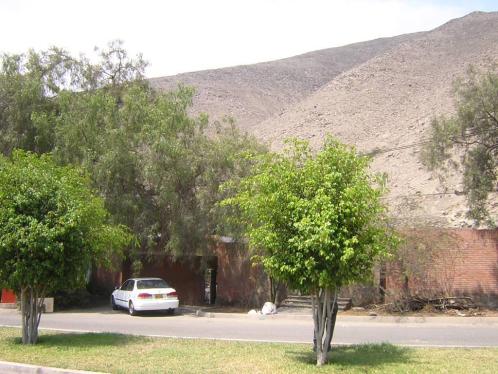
409, 331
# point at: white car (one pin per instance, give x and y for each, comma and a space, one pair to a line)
144, 294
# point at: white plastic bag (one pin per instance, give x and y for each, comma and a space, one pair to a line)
269, 308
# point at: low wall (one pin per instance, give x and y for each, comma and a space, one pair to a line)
457, 262
239, 282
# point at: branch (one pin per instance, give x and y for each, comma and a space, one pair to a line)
490, 115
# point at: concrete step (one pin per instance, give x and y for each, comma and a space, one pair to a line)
295, 304
298, 301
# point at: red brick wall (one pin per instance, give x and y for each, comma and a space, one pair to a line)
456, 262
238, 281
104, 281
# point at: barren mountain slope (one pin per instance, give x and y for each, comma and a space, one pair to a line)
388, 102
252, 93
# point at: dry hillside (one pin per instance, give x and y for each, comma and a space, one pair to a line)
388, 102
253, 93
376, 95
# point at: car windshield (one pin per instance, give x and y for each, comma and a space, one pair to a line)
151, 283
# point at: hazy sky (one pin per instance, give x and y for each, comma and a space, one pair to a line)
187, 35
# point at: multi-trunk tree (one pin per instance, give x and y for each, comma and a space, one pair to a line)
52, 228
316, 222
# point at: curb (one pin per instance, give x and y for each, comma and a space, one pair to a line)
351, 319
14, 367
201, 313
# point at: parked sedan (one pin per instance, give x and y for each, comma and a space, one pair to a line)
144, 294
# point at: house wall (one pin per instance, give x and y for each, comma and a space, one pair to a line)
239, 282
457, 262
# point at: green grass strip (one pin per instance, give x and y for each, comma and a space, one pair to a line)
117, 353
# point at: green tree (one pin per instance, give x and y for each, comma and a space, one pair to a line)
31, 83
316, 222
51, 229
473, 131
157, 168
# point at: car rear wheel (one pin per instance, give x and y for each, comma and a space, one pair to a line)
170, 312
131, 309
113, 304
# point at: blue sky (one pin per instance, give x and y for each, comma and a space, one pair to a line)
187, 35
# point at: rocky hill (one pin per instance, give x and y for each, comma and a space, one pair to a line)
253, 93
379, 96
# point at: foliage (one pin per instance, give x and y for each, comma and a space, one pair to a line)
473, 131
316, 221
157, 168
79, 298
30, 84
51, 229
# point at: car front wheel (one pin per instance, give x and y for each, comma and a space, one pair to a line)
131, 309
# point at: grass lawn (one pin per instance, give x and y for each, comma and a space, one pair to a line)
129, 354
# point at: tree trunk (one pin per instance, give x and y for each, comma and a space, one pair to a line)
31, 307
324, 304
274, 290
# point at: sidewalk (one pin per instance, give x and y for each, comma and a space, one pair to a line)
197, 311
14, 367
297, 315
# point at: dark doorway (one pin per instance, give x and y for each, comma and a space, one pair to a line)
210, 286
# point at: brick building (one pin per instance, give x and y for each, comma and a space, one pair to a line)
452, 262
432, 262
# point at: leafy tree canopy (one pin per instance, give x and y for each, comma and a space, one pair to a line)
158, 168
30, 83
51, 224
474, 132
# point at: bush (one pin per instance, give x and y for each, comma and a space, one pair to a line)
79, 298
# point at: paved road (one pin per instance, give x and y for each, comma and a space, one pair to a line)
431, 331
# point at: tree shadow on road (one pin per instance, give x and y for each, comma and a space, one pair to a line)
367, 355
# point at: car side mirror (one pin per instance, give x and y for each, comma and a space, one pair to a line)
116, 288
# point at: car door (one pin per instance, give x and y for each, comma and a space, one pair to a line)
127, 292
119, 298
